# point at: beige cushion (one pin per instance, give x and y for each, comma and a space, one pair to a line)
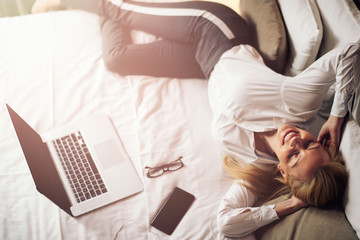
309, 223
268, 31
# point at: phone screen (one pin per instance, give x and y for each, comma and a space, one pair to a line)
172, 211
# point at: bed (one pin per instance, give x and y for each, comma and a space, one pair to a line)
52, 74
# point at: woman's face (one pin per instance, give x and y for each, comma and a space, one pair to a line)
299, 153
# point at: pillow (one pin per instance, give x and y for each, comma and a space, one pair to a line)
304, 28
341, 23
308, 223
267, 30
350, 149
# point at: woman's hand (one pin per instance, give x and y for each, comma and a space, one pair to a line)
298, 202
330, 131
289, 206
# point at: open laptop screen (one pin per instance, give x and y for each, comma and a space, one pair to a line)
39, 160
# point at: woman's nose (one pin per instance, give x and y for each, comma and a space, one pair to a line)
295, 141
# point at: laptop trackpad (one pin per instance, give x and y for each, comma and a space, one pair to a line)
109, 154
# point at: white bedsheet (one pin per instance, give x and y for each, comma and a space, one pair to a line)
51, 73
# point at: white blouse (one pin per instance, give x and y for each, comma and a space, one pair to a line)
246, 97
237, 219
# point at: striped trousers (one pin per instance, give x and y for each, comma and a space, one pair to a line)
192, 36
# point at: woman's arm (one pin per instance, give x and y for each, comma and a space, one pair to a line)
238, 218
303, 94
289, 206
347, 81
236, 215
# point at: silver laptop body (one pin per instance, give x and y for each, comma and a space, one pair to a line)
80, 167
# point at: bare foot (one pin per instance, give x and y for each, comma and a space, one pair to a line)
45, 6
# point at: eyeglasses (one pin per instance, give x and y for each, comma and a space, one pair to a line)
154, 172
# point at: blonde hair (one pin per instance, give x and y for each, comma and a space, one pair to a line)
326, 185
262, 183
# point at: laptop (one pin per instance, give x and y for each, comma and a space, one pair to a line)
80, 167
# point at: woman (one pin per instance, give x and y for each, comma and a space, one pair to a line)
259, 115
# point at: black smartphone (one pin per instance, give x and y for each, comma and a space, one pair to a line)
172, 211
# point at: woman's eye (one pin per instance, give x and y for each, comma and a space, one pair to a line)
310, 144
293, 154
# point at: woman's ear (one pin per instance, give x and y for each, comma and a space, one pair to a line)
282, 172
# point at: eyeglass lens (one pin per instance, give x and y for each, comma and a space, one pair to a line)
173, 166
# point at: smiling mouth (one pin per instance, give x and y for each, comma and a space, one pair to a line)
288, 136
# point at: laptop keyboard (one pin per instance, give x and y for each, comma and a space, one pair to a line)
80, 169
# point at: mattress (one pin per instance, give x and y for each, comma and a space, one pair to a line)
52, 74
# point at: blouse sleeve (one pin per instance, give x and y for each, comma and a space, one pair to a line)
236, 215
347, 79
339, 66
